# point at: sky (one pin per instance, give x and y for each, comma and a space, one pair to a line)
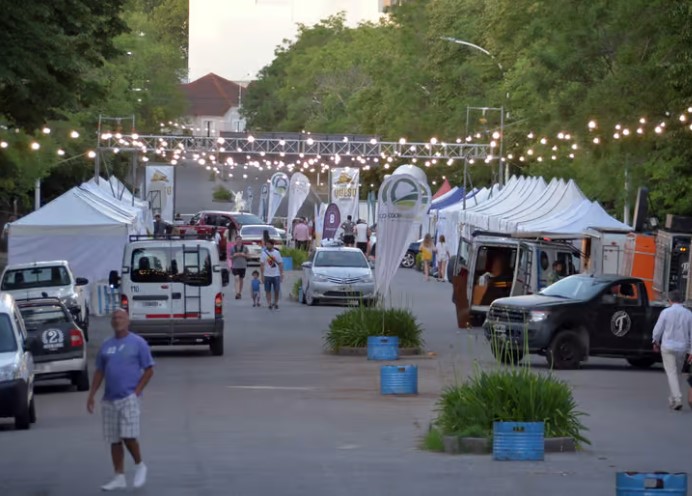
236, 38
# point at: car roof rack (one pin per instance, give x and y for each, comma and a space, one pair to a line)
168, 237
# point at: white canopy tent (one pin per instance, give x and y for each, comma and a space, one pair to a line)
114, 189
75, 227
143, 221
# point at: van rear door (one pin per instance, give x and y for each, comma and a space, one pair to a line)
192, 295
150, 287
523, 271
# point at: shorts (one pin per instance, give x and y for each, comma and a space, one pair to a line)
120, 419
349, 239
270, 282
239, 272
363, 246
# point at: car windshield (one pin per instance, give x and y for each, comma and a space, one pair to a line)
43, 314
162, 264
258, 231
244, 219
7, 340
36, 277
340, 259
575, 288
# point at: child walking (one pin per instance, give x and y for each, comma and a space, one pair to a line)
255, 289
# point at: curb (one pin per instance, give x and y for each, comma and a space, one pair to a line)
455, 445
352, 351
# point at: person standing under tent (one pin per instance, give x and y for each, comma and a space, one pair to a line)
442, 258
349, 228
427, 249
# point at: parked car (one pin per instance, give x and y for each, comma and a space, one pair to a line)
16, 366
56, 342
337, 274
409, 260
253, 236
577, 317
202, 224
52, 279
173, 291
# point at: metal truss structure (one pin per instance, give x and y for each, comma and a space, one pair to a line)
302, 145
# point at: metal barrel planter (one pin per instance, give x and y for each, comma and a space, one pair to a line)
300, 294
398, 379
650, 484
383, 348
518, 441
288, 263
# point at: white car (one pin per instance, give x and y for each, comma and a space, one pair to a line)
338, 274
16, 367
253, 235
52, 279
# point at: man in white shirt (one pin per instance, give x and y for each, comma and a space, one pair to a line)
271, 272
362, 236
673, 338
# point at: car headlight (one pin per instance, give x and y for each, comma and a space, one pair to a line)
320, 278
70, 301
367, 279
9, 372
538, 315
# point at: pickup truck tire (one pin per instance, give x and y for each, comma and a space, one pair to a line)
80, 380
22, 421
506, 354
216, 345
641, 363
565, 350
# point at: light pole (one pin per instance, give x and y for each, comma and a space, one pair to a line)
502, 109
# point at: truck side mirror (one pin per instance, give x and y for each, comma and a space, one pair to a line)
114, 279
608, 299
225, 277
81, 281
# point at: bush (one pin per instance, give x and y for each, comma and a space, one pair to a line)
433, 441
299, 256
296, 288
513, 394
353, 327
222, 194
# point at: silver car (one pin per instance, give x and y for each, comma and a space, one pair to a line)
338, 274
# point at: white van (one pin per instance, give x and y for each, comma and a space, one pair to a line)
497, 266
173, 290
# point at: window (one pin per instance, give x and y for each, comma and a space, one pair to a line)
43, 314
340, 259
243, 219
8, 342
575, 288
258, 231
37, 277
163, 264
195, 219
626, 294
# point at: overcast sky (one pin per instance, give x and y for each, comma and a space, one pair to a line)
236, 38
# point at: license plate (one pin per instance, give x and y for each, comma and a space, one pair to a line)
150, 303
347, 289
500, 328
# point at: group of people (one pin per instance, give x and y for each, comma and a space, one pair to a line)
270, 273
439, 252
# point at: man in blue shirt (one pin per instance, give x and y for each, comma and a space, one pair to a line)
125, 364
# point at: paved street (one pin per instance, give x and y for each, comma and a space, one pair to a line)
278, 416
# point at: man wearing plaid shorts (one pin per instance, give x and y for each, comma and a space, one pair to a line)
125, 364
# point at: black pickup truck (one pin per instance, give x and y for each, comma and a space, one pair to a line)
577, 317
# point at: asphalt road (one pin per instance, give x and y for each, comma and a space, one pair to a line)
277, 416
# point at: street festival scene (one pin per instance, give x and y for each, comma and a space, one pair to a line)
334, 248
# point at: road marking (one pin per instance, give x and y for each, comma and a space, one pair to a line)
274, 388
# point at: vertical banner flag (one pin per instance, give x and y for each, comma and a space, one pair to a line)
159, 181
344, 184
298, 191
264, 198
249, 197
404, 199
332, 221
278, 187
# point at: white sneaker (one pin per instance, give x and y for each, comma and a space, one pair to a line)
140, 475
118, 483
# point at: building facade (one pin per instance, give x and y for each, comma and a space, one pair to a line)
213, 105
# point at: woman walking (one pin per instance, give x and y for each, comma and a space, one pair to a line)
442, 258
426, 250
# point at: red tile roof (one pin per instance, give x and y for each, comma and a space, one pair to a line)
212, 95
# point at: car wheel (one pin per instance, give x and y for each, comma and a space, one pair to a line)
565, 351
506, 353
22, 421
32, 411
409, 260
641, 362
216, 345
309, 299
80, 380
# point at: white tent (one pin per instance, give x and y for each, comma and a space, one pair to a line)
586, 218
74, 227
113, 188
103, 195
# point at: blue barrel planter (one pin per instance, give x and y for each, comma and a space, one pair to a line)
383, 348
395, 379
300, 294
650, 484
518, 441
288, 263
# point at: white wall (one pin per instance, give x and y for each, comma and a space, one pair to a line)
236, 38
232, 121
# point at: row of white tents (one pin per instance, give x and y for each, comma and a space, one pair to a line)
88, 226
525, 206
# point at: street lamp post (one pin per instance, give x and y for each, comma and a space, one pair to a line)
502, 109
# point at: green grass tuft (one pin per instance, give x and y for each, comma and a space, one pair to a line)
433, 441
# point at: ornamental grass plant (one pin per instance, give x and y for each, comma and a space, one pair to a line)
352, 327
299, 256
